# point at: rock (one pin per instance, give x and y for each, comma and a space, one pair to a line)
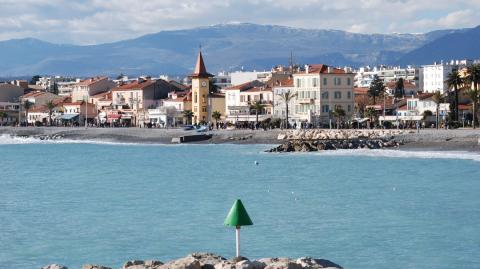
148, 264
184, 263
94, 266
225, 265
208, 260
55, 266
245, 264
281, 136
310, 263
283, 263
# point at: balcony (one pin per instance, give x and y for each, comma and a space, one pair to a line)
305, 100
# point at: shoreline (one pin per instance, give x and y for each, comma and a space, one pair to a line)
427, 139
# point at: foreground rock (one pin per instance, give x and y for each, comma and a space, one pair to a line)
213, 261
346, 134
319, 145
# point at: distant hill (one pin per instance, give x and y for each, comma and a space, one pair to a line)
456, 45
226, 47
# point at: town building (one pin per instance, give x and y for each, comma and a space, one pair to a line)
365, 75
240, 99
408, 88
319, 90
75, 113
38, 98
435, 76
204, 103
84, 89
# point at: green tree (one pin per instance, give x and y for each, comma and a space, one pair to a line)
27, 105
437, 98
258, 107
339, 114
55, 88
287, 96
474, 95
473, 76
50, 106
34, 79
372, 114
188, 114
455, 81
376, 88
216, 115
400, 88
3, 115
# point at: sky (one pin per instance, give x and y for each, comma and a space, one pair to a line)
95, 21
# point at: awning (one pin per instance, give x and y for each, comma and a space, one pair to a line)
68, 116
115, 116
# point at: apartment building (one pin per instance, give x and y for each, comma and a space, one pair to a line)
89, 87
319, 90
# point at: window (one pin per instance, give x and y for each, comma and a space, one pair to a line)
349, 95
325, 81
325, 109
337, 81
204, 109
315, 82
338, 95
325, 95
349, 108
349, 81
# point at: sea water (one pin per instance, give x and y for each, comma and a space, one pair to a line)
75, 203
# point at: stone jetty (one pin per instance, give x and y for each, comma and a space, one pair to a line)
213, 261
317, 140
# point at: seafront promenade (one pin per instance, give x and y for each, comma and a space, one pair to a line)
458, 139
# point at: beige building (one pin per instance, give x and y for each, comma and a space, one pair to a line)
38, 98
89, 87
200, 91
319, 90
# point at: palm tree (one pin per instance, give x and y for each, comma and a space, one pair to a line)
3, 115
455, 81
216, 115
27, 105
50, 106
258, 107
437, 99
371, 113
188, 114
338, 113
287, 96
474, 95
473, 75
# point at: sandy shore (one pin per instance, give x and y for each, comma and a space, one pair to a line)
460, 139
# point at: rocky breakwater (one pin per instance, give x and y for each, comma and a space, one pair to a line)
212, 261
317, 140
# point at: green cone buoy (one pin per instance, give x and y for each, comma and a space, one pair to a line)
238, 217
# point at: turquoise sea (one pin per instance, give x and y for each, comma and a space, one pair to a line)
73, 203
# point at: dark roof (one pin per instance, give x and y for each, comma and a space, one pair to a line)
200, 70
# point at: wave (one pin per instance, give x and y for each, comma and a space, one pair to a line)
398, 153
6, 139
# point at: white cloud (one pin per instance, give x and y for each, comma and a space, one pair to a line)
98, 21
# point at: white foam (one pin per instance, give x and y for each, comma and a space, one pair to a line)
6, 139
389, 153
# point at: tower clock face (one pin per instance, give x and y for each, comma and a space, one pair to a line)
204, 83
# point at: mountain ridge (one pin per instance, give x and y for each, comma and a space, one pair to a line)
225, 46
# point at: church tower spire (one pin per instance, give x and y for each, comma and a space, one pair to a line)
200, 88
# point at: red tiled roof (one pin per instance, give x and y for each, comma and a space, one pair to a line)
33, 94
245, 86
406, 85
360, 91
284, 83
322, 69
200, 70
136, 85
259, 89
90, 81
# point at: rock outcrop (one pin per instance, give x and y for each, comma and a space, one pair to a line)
347, 134
213, 261
319, 145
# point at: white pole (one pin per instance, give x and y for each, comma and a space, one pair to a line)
238, 240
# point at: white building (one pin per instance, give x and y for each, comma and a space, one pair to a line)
319, 90
435, 76
240, 98
387, 74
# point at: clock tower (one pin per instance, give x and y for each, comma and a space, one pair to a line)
200, 89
